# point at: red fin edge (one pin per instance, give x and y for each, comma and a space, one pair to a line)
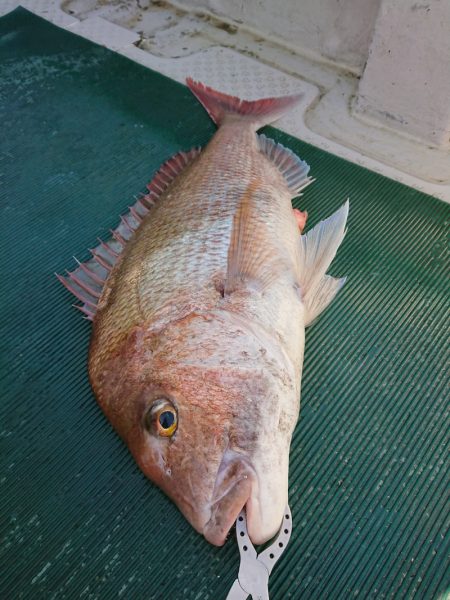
260, 112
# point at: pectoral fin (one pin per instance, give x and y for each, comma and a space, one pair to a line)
251, 258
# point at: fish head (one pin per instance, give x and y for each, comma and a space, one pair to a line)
208, 414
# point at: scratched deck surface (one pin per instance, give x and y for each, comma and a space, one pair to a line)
82, 131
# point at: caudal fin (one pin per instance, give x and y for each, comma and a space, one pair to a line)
258, 112
317, 249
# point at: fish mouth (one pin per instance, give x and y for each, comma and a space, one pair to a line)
236, 479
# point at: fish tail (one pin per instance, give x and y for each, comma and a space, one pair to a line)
256, 112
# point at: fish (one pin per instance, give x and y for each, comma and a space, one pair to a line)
199, 303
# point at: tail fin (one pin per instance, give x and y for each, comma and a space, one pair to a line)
259, 112
317, 249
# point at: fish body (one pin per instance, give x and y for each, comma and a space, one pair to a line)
198, 335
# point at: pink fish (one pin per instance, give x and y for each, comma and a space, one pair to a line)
199, 305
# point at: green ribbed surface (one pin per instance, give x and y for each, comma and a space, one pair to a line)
82, 131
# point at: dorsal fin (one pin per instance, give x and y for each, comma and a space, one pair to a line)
294, 169
318, 247
250, 258
86, 282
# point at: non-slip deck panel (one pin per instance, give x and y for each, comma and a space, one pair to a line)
82, 131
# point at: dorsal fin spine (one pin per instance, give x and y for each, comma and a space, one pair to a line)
95, 271
83, 285
89, 273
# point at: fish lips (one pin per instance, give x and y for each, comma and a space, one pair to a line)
235, 483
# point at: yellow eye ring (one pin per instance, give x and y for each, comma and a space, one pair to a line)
162, 418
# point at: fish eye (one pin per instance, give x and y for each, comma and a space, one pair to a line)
162, 418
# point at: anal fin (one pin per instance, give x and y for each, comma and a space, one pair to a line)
324, 293
318, 247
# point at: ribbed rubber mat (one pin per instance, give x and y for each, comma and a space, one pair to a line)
82, 131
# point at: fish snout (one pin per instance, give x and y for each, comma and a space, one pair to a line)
235, 482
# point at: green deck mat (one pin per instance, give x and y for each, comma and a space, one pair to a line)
83, 129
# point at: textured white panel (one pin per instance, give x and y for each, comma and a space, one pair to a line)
47, 9
105, 33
